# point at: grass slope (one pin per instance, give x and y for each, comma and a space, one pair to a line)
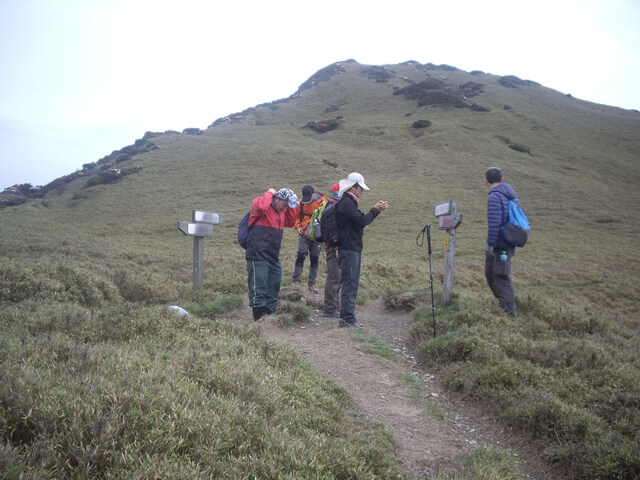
566, 372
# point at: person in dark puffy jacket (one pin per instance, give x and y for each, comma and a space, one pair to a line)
499, 252
270, 214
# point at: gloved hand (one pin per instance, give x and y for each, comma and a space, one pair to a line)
489, 251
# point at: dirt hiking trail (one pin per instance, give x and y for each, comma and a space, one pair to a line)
427, 443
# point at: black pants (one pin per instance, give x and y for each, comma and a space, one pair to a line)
498, 274
349, 261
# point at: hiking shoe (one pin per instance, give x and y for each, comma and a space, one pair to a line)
335, 314
296, 283
343, 324
259, 312
314, 288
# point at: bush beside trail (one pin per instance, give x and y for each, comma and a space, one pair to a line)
95, 385
551, 374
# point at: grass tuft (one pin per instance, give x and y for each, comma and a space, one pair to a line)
371, 344
216, 307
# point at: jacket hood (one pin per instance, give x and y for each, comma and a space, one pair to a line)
505, 189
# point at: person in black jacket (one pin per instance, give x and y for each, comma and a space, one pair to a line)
499, 252
351, 222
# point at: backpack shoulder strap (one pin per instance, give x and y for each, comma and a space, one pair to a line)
256, 220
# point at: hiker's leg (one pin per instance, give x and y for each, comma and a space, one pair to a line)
349, 261
303, 248
314, 258
489, 262
502, 281
332, 283
275, 277
257, 279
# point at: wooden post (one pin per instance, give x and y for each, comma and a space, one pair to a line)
198, 253
448, 220
449, 267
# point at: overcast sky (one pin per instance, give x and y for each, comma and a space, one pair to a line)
82, 78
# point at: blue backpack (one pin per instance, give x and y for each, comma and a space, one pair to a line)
243, 230
516, 231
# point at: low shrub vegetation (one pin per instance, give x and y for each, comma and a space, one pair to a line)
511, 81
324, 126
421, 124
559, 380
297, 311
110, 174
404, 300
379, 74
520, 148
11, 201
471, 89
125, 390
145, 287
216, 307
322, 75
55, 282
514, 146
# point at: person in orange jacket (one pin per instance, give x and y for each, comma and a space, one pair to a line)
311, 200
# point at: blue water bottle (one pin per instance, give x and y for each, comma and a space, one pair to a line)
503, 256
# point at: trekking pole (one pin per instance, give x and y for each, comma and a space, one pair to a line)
433, 305
427, 228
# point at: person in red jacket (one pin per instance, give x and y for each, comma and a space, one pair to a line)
311, 200
270, 214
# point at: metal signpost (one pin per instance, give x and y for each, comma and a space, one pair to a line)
448, 220
202, 226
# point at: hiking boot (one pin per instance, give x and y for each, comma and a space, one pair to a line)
297, 274
335, 314
343, 324
296, 283
314, 288
259, 312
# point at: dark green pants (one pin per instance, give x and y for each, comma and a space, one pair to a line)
264, 278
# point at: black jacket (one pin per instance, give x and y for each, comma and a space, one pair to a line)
351, 222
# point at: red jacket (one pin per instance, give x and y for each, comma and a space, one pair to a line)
265, 236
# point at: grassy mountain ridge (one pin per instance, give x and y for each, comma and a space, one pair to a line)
573, 163
579, 152
582, 155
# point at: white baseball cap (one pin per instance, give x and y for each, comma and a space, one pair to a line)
350, 181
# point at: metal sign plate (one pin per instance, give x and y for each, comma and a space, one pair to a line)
196, 229
449, 222
213, 218
445, 208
